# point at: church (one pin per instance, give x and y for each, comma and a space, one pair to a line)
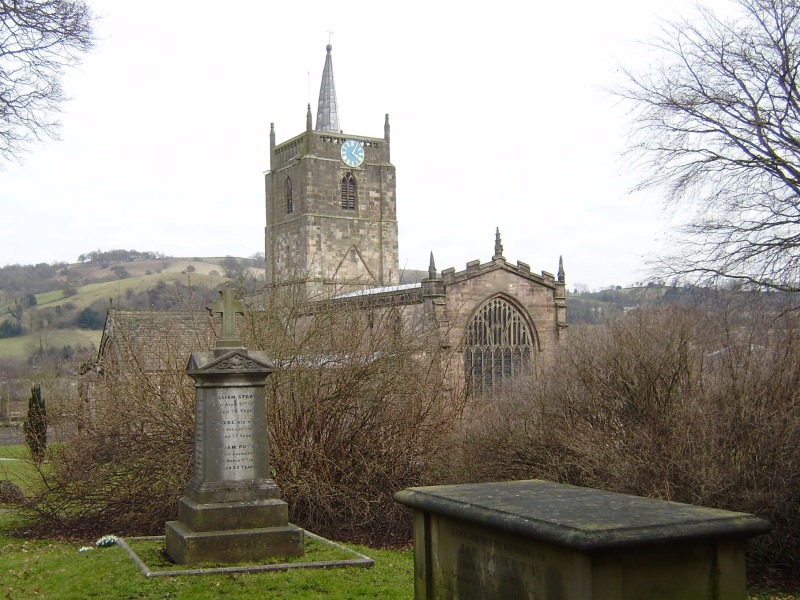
331, 235
331, 247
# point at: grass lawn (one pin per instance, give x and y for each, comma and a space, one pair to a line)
58, 570
34, 568
15, 465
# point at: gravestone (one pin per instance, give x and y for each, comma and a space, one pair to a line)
231, 510
542, 540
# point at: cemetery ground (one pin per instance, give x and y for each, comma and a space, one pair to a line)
37, 567
40, 567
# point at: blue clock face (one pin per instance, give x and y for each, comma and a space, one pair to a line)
352, 153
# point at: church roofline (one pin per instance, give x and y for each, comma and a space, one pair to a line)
394, 295
475, 269
296, 147
333, 135
380, 290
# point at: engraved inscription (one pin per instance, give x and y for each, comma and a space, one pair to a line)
235, 414
199, 440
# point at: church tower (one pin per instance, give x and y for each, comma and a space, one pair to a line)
331, 205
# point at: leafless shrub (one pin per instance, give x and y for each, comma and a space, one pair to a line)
671, 403
359, 409
127, 446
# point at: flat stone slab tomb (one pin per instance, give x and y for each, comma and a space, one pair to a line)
546, 541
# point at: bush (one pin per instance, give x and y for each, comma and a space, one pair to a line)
35, 425
128, 444
90, 319
9, 329
669, 403
358, 413
10, 493
354, 413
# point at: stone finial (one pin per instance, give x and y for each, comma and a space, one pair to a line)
561, 277
432, 268
308, 117
386, 128
228, 307
498, 246
271, 145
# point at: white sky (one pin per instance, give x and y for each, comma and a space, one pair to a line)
498, 112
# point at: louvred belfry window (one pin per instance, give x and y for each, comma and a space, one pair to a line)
349, 192
497, 346
289, 199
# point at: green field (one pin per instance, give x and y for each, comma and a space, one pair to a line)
114, 290
24, 345
106, 292
16, 467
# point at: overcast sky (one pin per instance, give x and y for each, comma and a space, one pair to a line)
499, 114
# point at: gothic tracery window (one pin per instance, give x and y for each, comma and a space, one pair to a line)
498, 345
289, 199
349, 192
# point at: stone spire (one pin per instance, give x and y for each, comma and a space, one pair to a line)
561, 276
498, 246
327, 108
432, 268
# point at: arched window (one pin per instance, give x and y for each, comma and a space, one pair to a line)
349, 192
498, 345
289, 200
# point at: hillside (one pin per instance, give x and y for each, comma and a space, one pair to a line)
61, 308
47, 308
611, 304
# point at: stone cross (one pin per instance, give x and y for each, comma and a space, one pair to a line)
228, 307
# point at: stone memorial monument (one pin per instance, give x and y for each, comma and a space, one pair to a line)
231, 510
538, 539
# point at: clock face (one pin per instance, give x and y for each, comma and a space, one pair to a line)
352, 153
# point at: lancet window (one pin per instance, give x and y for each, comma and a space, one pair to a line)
349, 192
289, 198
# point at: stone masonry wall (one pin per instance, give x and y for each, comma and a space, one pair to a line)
469, 289
316, 241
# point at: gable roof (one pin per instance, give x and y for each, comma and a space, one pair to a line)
154, 338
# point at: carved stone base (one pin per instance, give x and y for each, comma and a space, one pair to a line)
185, 546
219, 516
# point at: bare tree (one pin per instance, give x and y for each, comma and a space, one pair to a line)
38, 38
717, 125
